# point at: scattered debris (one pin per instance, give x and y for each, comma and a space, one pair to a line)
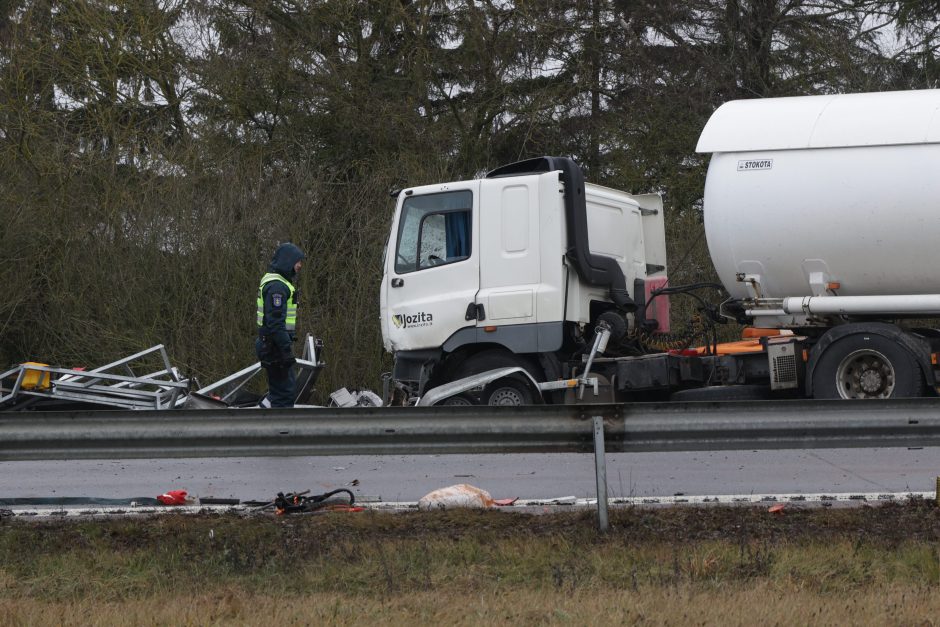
561, 500
175, 497
195, 400
340, 500
356, 398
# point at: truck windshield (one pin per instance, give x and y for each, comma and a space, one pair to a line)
434, 230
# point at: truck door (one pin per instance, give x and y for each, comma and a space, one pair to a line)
432, 270
510, 272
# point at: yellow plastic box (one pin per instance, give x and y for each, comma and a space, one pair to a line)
36, 379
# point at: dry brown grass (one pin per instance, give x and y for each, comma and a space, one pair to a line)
761, 602
699, 566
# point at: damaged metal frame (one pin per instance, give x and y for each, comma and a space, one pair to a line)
309, 369
101, 386
117, 385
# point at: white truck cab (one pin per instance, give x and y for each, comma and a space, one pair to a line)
513, 267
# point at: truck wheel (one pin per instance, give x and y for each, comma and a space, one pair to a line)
460, 400
515, 391
507, 391
865, 366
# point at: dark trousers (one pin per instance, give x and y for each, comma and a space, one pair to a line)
281, 382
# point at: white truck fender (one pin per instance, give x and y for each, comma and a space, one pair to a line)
442, 392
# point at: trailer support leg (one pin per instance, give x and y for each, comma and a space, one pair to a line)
600, 465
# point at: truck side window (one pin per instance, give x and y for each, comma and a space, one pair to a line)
434, 230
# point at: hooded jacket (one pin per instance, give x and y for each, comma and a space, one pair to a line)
275, 295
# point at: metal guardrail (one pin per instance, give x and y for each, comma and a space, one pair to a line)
648, 427
426, 430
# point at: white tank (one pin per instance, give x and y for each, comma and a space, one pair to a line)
841, 190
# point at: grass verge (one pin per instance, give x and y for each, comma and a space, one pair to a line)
700, 565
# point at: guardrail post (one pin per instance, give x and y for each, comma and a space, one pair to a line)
600, 465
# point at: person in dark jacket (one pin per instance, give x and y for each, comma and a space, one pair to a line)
277, 325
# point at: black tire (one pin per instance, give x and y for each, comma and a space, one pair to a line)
865, 366
508, 392
458, 400
491, 360
723, 393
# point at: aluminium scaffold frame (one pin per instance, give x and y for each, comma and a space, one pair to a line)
117, 385
100, 386
308, 365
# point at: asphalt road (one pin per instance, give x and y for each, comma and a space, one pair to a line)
531, 476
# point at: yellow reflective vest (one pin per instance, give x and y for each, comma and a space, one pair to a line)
291, 320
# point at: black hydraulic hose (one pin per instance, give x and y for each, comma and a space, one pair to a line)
297, 503
322, 497
708, 331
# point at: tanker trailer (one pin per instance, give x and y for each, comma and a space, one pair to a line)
530, 285
822, 216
